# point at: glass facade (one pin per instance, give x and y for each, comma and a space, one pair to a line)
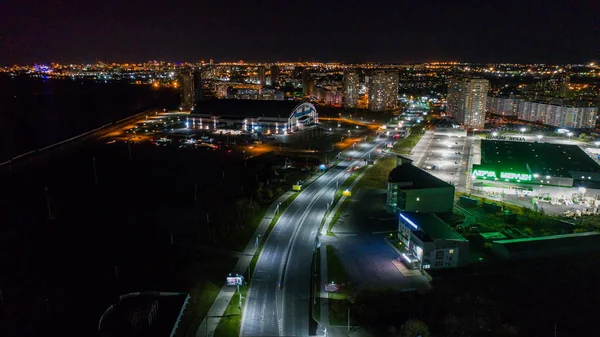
392, 196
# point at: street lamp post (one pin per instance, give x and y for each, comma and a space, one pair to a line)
95, 172
50, 217
129, 148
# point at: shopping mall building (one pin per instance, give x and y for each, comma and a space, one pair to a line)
532, 168
418, 197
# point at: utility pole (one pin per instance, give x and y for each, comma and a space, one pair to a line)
95, 172
348, 319
50, 217
195, 193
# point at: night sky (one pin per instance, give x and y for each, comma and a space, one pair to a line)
550, 31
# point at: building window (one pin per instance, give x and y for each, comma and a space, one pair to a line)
451, 251
418, 199
439, 255
402, 200
426, 266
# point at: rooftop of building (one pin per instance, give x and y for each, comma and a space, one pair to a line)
493, 236
245, 108
545, 242
410, 177
557, 160
431, 227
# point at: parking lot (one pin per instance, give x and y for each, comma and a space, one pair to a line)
444, 156
361, 245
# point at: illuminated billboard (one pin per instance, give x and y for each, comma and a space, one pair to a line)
515, 176
235, 280
484, 174
506, 176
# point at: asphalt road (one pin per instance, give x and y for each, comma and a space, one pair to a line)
270, 311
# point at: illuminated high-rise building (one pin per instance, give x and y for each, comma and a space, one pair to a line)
198, 90
557, 85
274, 75
350, 89
308, 84
383, 90
261, 75
186, 90
466, 101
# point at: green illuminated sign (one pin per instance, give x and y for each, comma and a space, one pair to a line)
515, 176
507, 176
483, 174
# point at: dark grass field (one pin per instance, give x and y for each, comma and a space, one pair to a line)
59, 275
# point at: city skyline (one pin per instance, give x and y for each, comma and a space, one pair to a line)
549, 32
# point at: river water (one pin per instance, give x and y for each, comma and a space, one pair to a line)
35, 112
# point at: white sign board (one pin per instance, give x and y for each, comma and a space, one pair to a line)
332, 288
235, 281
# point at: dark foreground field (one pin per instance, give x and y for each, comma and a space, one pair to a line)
141, 227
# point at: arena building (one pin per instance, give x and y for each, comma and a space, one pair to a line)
254, 116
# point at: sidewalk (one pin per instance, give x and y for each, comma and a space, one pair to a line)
324, 297
224, 297
340, 202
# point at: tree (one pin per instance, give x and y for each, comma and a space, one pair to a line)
414, 328
508, 331
269, 193
584, 137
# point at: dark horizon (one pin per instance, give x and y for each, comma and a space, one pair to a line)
551, 32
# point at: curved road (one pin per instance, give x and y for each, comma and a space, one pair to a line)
270, 311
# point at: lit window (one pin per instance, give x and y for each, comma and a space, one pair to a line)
451, 251
418, 199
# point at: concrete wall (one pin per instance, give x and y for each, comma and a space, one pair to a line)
453, 254
561, 247
432, 200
